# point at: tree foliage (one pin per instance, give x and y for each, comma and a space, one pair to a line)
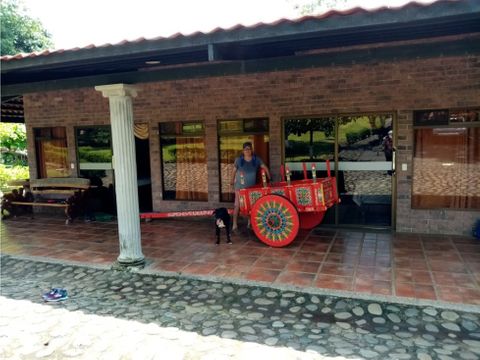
301, 126
13, 142
19, 31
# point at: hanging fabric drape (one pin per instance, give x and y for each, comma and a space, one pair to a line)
191, 172
53, 158
141, 131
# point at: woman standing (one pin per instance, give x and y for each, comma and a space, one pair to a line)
245, 175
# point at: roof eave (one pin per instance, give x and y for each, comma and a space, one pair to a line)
408, 15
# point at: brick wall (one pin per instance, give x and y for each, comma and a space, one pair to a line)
399, 87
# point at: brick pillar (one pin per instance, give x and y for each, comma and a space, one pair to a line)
126, 188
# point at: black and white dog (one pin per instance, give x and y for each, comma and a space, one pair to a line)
222, 220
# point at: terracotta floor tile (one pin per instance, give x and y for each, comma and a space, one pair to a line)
336, 269
249, 251
374, 273
309, 256
365, 272
384, 261
279, 253
448, 266
408, 252
371, 286
333, 282
454, 279
295, 278
412, 290
446, 247
345, 259
240, 260
200, 268
169, 265
459, 294
302, 266
269, 263
237, 271
414, 276
314, 247
262, 275
158, 253
367, 261
405, 289
363, 284
443, 255
465, 249
425, 292
406, 263
474, 266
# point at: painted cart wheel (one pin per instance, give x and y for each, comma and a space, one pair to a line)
275, 220
308, 220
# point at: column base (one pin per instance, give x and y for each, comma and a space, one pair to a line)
133, 265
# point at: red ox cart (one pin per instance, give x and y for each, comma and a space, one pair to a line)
278, 210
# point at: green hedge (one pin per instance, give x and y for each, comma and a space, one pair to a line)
89, 154
9, 173
353, 137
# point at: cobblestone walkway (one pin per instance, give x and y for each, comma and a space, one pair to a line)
122, 315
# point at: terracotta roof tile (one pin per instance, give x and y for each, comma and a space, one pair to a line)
328, 14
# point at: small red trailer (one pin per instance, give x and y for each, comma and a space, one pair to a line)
278, 210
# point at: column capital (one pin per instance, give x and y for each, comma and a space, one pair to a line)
114, 90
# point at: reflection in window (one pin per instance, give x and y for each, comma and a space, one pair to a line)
363, 170
94, 149
446, 168
184, 161
51, 146
308, 140
362, 138
445, 117
232, 134
311, 139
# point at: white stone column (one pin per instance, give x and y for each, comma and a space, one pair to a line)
126, 188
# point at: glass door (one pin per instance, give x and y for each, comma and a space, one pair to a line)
365, 170
360, 150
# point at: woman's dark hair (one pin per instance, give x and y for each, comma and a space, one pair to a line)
247, 143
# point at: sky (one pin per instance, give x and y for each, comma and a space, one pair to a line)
77, 23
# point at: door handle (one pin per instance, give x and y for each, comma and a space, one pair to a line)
394, 157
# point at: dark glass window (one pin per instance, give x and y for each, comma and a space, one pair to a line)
430, 117
94, 149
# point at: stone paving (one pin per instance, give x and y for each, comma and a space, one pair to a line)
127, 315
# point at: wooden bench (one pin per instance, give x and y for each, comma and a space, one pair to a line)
66, 193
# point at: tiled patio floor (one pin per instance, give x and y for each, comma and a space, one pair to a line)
445, 268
